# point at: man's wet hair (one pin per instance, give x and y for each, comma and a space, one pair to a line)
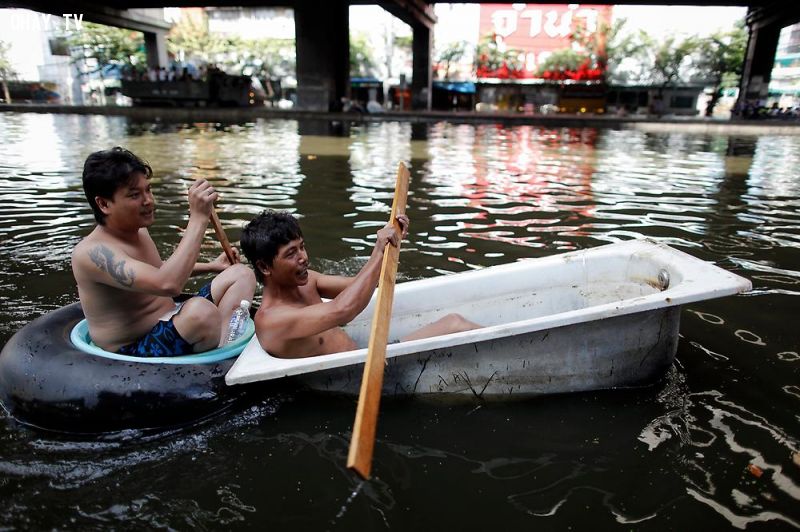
265, 234
107, 170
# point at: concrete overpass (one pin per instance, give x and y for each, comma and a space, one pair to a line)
154, 29
765, 23
322, 37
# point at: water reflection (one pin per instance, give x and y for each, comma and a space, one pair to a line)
721, 427
480, 195
507, 186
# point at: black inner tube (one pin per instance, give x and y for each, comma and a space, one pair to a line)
46, 382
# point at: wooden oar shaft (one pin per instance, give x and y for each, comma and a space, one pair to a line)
222, 237
363, 441
364, 428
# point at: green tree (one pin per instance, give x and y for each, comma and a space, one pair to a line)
7, 72
362, 62
619, 46
666, 62
451, 54
404, 42
490, 57
604, 50
107, 45
190, 39
672, 58
266, 57
720, 58
564, 59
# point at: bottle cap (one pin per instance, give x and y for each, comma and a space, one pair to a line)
245, 303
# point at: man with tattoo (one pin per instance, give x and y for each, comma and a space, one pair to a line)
293, 320
126, 289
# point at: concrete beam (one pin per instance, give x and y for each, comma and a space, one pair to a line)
155, 46
412, 12
758, 63
422, 71
765, 24
775, 13
322, 37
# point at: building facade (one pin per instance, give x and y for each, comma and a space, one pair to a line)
784, 85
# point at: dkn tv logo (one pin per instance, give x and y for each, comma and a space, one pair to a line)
25, 21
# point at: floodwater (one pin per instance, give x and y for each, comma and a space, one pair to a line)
684, 454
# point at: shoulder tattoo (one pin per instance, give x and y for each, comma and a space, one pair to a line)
103, 258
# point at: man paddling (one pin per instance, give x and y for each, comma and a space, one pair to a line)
293, 321
126, 289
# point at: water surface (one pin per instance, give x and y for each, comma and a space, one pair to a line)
671, 456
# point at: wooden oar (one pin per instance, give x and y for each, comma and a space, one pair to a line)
222, 237
362, 444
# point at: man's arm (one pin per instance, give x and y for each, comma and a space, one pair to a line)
291, 323
217, 265
108, 264
330, 286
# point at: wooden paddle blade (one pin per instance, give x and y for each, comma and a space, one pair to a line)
362, 444
222, 237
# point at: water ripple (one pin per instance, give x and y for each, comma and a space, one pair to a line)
480, 195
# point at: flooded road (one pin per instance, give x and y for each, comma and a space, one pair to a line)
683, 454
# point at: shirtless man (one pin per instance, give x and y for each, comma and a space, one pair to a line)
125, 288
293, 321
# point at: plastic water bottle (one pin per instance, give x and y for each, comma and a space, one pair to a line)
238, 321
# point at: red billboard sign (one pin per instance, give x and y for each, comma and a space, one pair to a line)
537, 30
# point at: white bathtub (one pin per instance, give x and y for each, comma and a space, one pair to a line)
604, 317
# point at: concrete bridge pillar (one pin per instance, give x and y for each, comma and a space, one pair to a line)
758, 62
322, 37
765, 23
155, 46
422, 72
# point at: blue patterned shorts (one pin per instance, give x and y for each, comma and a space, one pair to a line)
163, 340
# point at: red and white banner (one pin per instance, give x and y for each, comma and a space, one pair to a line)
537, 30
